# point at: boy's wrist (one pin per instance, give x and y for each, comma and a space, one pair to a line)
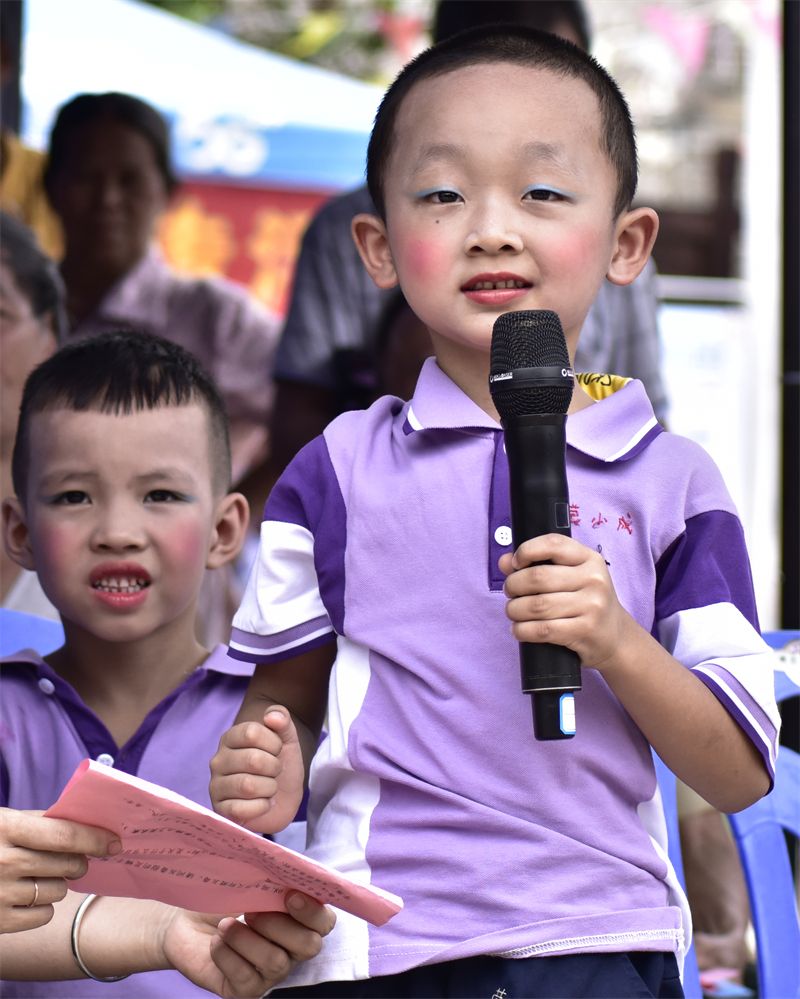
627, 655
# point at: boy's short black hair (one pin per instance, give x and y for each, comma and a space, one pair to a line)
120, 109
35, 274
452, 16
521, 46
122, 372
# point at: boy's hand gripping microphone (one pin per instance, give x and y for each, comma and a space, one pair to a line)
531, 384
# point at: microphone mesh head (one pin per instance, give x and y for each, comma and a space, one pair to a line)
531, 339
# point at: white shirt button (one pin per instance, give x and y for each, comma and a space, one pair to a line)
503, 535
46, 686
106, 759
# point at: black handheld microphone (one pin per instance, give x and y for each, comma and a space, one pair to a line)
531, 384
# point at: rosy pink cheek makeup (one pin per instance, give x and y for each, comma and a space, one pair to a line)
187, 546
425, 259
576, 251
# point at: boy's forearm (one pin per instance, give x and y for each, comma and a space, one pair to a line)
300, 685
684, 722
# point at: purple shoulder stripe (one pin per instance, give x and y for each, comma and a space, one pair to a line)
308, 494
290, 500
706, 564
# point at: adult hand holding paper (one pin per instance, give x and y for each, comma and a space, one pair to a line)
179, 852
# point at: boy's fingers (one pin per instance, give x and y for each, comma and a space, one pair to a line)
557, 548
230, 762
252, 735
543, 607
246, 787
541, 579
253, 814
279, 720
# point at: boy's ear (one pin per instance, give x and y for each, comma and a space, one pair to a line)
372, 242
636, 233
16, 537
230, 527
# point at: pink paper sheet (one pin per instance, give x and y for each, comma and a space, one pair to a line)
179, 852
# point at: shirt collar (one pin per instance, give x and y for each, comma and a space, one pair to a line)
615, 428
439, 404
218, 661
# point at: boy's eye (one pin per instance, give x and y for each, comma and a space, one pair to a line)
70, 497
163, 496
544, 194
442, 197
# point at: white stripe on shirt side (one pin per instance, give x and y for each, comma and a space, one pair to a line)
339, 815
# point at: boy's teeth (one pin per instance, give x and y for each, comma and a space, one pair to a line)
491, 285
121, 585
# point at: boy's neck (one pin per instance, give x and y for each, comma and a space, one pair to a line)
122, 681
470, 371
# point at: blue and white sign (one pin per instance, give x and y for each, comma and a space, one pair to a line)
238, 113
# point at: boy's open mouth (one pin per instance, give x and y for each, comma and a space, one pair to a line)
122, 585
127, 579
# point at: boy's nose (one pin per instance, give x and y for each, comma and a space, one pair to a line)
493, 234
117, 530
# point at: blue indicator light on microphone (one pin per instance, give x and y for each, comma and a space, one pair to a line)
566, 713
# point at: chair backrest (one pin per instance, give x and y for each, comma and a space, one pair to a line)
760, 834
27, 631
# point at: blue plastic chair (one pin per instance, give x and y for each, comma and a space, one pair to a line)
759, 832
759, 835
27, 631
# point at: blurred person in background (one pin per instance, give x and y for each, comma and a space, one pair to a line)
109, 179
32, 316
327, 356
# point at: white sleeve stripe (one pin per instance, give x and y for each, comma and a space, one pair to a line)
277, 649
732, 696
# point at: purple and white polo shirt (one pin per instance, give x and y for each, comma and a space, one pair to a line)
46, 730
384, 534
